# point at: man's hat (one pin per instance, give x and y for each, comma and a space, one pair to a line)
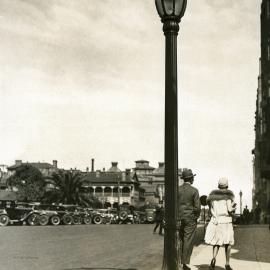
186, 174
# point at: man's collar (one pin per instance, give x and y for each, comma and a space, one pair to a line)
187, 183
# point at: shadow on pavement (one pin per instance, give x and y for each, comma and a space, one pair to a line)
251, 243
206, 267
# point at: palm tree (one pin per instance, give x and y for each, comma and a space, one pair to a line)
69, 189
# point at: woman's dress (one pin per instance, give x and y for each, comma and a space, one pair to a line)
220, 229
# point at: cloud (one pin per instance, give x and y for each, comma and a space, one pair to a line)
83, 79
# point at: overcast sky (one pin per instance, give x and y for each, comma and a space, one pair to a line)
82, 79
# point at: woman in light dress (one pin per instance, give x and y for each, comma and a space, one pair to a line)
219, 231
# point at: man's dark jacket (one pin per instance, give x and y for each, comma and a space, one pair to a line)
189, 206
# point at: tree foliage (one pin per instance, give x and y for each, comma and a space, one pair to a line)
69, 189
29, 182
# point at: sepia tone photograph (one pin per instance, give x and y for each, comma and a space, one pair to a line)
135, 134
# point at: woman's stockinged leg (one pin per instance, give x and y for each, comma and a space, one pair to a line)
215, 251
227, 254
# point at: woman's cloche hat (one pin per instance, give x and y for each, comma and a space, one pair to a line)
223, 182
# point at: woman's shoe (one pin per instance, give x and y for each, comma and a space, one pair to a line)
227, 267
213, 263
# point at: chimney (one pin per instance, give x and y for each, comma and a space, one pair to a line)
161, 164
97, 173
103, 169
18, 162
128, 172
87, 169
92, 165
123, 176
55, 164
114, 164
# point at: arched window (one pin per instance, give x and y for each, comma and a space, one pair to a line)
107, 191
98, 189
125, 191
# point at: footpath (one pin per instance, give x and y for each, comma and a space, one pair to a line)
250, 252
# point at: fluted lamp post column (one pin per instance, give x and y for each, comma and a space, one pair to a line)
171, 12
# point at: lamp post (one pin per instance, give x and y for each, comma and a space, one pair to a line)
171, 12
241, 194
160, 191
118, 188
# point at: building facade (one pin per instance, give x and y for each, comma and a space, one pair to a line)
45, 168
261, 152
115, 187
152, 181
4, 175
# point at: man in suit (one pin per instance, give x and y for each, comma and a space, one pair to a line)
189, 208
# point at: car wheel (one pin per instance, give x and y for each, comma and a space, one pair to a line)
4, 220
142, 220
123, 215
43, 220
77, 220
87, 220
97, 219
55, 220
33, 220
67, 219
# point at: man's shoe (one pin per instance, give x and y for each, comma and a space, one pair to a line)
185, 267
227, 267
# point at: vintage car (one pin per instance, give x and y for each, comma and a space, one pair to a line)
54, 214
128, 214
104, 216
79, 215
65, 214
139, 217
48, 213
150, 215
21, 213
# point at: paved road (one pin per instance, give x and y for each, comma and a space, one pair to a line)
81, 247
117, 247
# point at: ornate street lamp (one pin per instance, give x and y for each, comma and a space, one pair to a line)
171, 12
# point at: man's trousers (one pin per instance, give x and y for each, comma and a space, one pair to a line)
187, 236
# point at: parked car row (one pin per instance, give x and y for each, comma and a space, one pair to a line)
45, 214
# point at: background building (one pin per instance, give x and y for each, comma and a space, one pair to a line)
115, 187
45, 168
152, 181
4, 175
261, 162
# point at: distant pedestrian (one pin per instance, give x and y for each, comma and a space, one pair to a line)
159, 219
189, 211
219, 231
257, 215
246, 215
